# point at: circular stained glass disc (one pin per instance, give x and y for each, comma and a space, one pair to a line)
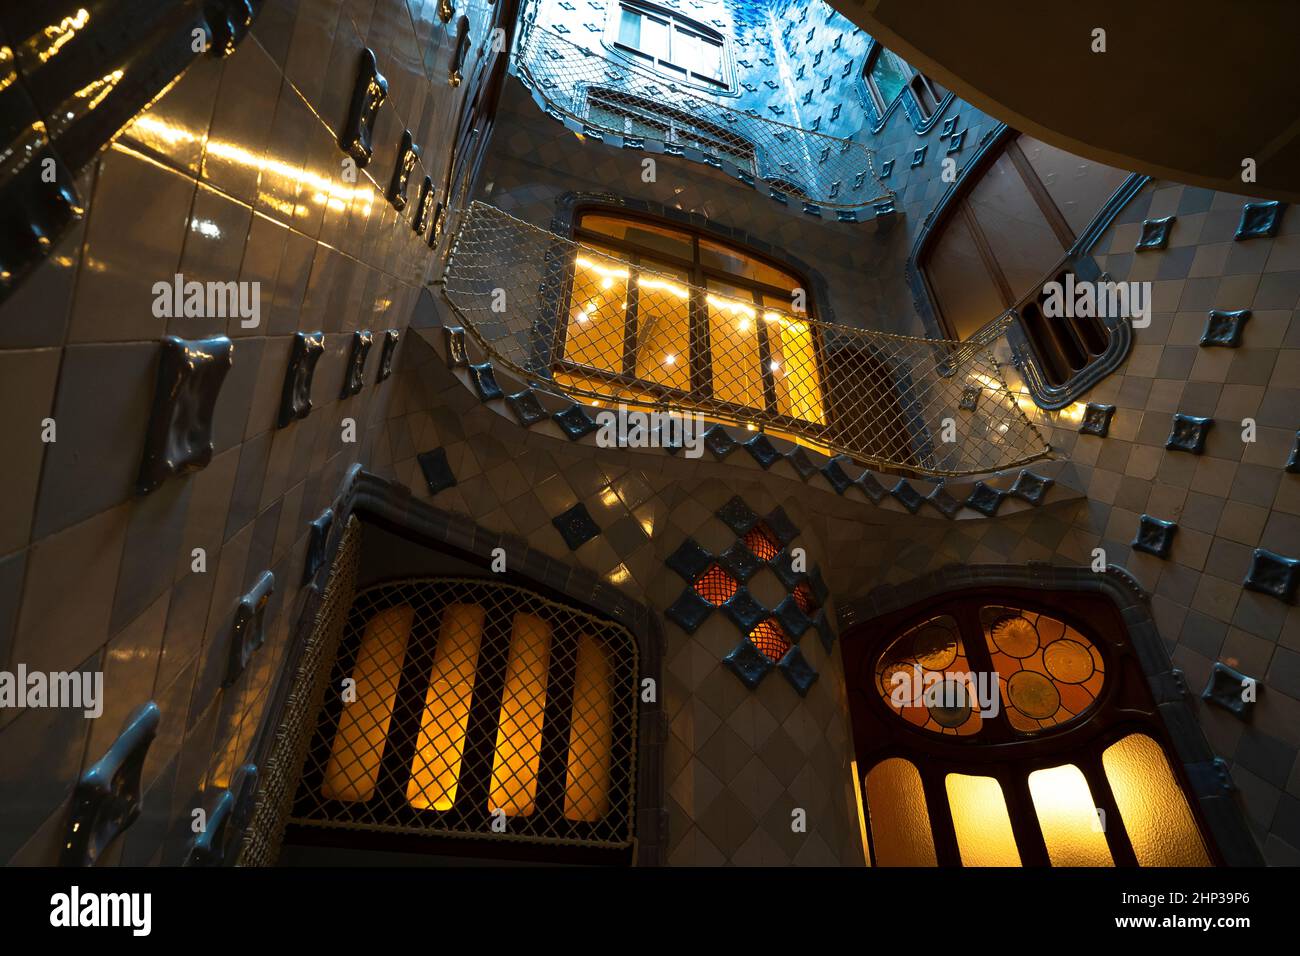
1015, 636
1068, 661
1033, 694
935, 647
953, 706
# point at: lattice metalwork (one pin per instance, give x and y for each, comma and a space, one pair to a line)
476, 709
625, 104
579, 321
261, 841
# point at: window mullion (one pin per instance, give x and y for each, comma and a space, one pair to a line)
552, 773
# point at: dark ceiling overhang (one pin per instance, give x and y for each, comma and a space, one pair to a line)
1185, 91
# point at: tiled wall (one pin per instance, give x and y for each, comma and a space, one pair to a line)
235, 173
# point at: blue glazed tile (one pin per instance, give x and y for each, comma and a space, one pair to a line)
743, 611
575, 422
424, 206
454, 338
819, 588
106, 799
985, 499
179, 436
689, 560
436, 469
739, 562
761, 449
886, 168
957, 141
835, 474
1154, 536
948, 505
719, 442
485, 381
576, 526
907, 496
1227, 688
949, 126
369, 91
249, 630
791, 617
821, 621
317, 540
390, 337
1273, 574
779, 523
1096, 419
797, 670
918, 156
737, 515
871, 487
407, 154
355, 378
1260, 220
295, 396
207, 848
1293, 462
1155, 233
783, 566
526, 408
1224, 329
689, 611
802, 463
748, 663
1188, 434
1031, 487
846, 215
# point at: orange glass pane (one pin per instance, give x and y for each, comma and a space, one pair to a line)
770, 638
981, 821
762, 543
1068, 818
733, 346
899, 818
435, 769
1156, 816
591, 734
358, 747
597, 311
715, 585
519, 730
663, 322
794, 368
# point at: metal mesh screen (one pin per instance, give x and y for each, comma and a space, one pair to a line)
463, 707
621, 102
582, 322
261, 841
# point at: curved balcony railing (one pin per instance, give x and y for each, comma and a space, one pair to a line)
624, 104
576, 321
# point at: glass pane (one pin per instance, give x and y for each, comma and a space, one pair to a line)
968, 296
597, 312
979, 817
733, 346
1048, 672
518, 750
663, 322
722, 258
1023, 243
698, 54
900, 822
638, 232
358, 746
654, 37
629, 29
794, 368
1067, 816
1078, 186
591, 733
925, 677
1156, 816
435, 769
889, 74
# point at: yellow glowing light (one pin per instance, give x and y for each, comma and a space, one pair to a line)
662, 285
1067, 815
669, 359
730, 305
601, 270
60, 33
743, 325
981, 822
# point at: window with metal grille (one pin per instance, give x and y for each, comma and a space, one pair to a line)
611, 109
476, 709
670, 44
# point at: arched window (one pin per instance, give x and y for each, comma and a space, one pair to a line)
467, 708
1013, 728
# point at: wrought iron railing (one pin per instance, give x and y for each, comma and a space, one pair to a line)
624, 104
577, 321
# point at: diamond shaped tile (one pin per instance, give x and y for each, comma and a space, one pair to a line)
1155, 233
802, 463
1273, 574
821, 621
1223, 329
796, 669
689, 560
743, 610
575, 422
179, 436
908, 496
1229, 689
355, 379
820, 590
783, 565
1154, 536
719, 442
485, 381
689, 611
454, 338
871, 487
948, 505
791, 617
970, 396
918, 156
739, 562
390, 337
1188, 433
1096, 419
779, 523
761, 449
526, 408
295, 396
737, 515
576, 526
835, 474
1031, 487
985, 499
436, 469
747, 663
1259, 220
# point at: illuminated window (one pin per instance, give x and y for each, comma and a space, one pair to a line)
671, 44
673, 315
475, 709
1029, 735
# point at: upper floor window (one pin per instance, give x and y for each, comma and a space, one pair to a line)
887, 76
661, 312
1007, 235
671, 44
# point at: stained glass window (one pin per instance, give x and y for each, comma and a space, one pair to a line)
924, 675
